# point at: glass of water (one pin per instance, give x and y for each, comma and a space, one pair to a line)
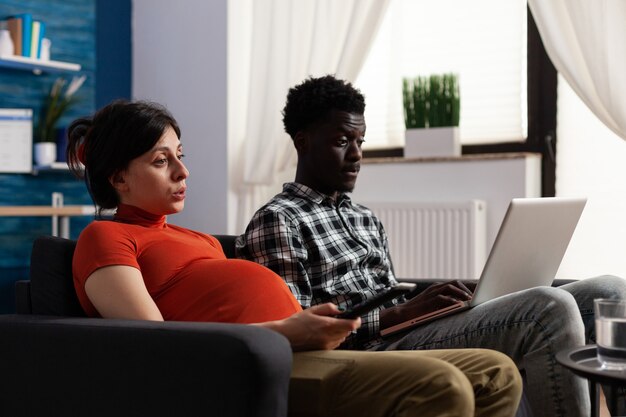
610, 316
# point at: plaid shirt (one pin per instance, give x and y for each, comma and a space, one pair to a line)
325, 251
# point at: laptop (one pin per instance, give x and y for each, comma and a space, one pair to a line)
527, 252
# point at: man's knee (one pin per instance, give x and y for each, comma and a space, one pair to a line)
605, 286
448, 389
555, 302
501, 371
556, 316
488, 370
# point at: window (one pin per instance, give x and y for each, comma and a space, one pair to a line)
385, 130
591, 164
484, 41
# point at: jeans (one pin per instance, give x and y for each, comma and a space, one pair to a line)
530, 326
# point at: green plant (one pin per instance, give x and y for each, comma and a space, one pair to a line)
431, 101
56, 103
414, 93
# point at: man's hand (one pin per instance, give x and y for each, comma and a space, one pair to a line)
432, 298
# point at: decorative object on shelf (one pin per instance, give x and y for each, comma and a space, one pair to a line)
57, 102
46, 44
431, 113
45, 153
6, 43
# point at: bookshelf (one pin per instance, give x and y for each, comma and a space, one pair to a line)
53, 167
36, 65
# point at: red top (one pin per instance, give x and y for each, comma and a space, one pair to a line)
186, 272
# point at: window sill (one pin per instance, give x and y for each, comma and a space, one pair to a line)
463, 158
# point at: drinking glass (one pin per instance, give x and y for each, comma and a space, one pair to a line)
610, 316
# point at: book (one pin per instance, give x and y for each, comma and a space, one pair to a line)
42, 34
14, 24
34, 39
27, 27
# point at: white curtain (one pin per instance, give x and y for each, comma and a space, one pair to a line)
289, 40
586, 41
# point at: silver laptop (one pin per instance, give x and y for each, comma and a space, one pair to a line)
527, 253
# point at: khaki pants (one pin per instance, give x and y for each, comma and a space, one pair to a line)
458, 382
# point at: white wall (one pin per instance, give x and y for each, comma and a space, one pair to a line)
179, 60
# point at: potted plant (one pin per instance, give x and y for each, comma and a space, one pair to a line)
431, 113
60, 98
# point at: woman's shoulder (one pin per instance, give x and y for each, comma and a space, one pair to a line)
104, 226
104, 232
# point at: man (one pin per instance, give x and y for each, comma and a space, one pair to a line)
330, 249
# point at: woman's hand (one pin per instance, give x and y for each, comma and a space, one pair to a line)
315, 328
432, 298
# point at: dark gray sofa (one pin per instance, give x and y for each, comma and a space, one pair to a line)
56, 362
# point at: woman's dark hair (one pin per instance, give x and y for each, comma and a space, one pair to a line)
106, 143
311, 102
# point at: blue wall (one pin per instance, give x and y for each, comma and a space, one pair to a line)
113, 39
74, 31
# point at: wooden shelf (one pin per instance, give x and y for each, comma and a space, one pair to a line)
45, 211
36, 65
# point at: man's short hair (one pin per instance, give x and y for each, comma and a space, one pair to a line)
311, 101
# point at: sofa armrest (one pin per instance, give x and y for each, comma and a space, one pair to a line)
22, 297
56, 366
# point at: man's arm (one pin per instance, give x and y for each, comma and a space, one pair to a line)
435, 297
372, 321
385, 240
272, 240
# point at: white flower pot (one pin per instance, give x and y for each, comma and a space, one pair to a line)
6, 43
45, 153
432, 142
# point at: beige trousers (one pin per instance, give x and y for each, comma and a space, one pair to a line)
459, 382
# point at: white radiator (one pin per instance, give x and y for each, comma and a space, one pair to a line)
435, 239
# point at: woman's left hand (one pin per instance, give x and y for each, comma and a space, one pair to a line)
315, 328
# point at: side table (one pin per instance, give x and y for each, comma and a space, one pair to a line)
583, 362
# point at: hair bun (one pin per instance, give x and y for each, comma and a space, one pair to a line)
80, 152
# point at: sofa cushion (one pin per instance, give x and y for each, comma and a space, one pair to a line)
51, 286
228, 244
